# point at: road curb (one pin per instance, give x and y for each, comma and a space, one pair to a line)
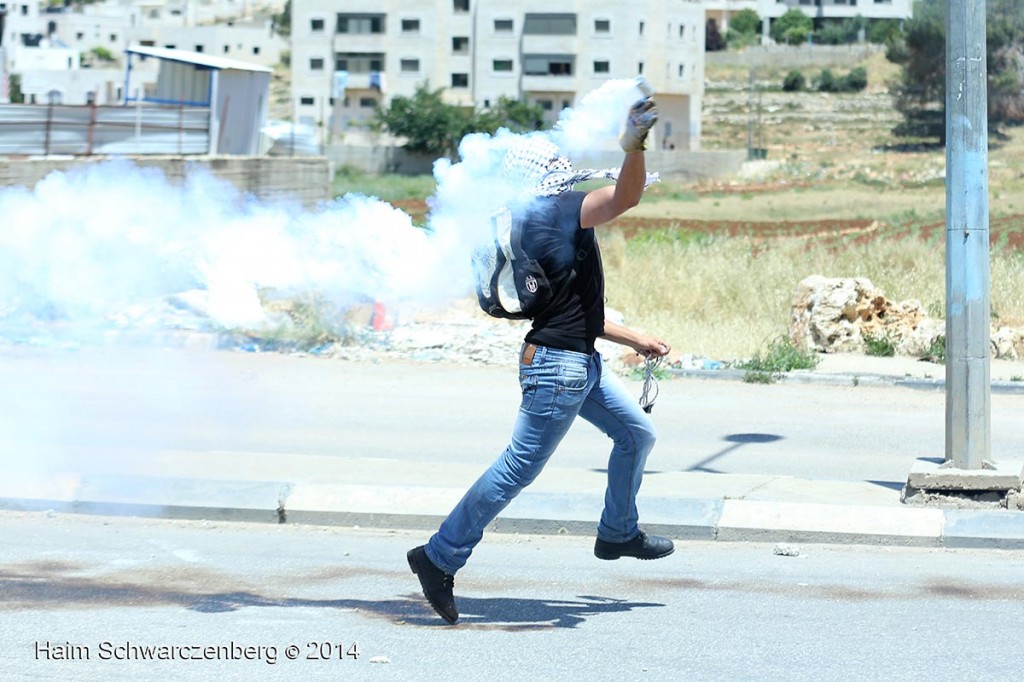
844, 379
410, 508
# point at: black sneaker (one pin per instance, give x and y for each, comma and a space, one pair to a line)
643, 546
437, 585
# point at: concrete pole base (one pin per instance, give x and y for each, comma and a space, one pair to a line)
936, 482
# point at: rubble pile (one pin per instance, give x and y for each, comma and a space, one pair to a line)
841, 315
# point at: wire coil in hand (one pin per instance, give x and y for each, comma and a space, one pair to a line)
650, 390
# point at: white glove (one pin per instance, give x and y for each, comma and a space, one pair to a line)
642, 117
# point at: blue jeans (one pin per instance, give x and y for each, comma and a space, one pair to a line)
557, 385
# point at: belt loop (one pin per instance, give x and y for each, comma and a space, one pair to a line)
529, 350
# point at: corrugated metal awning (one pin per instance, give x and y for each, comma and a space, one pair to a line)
196, 58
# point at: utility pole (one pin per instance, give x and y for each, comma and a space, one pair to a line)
968, 374
967, 468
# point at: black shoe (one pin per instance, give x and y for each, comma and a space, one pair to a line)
437, 585
643, 546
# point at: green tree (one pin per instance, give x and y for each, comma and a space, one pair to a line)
713, 40
745, 21
429, 125
920, 92
792, 28
840, 32
281, 23
884, 31
517, 115
744, 28
102, 54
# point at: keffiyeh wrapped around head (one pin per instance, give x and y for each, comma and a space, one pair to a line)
538, 167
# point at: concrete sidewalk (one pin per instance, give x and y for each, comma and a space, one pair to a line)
847, 369
349, 491
403, 493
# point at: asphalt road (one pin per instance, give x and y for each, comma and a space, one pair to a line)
537, 607
59, 409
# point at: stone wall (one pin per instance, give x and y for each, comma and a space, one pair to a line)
307, 180
795, 56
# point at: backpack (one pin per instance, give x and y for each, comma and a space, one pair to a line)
509, 283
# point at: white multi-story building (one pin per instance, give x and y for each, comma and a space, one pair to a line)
722, 10
349, 57
153, 23
44, 46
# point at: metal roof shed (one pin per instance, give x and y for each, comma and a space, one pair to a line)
236, 93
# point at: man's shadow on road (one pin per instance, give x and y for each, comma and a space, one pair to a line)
55, 585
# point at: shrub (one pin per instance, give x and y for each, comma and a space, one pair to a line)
794, 82
856, 80
780, 356
879, 346
936, 352
827, 81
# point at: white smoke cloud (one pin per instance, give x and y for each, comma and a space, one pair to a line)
83, 245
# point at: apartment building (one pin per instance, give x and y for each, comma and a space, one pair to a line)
152, 23
349, 57
722, 10
43, 44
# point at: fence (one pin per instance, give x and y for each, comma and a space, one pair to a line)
45, 129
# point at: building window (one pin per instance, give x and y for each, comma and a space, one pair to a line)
548, 64
79, 35
361, 24
545, 104
641, 29
227, 48
682, 31
460, 80
502, 65
306, 101
503, 26
358, 62
460, 45
316, 64
256, 50
200, 48
410, 25
367, 102
409, 65
682, 70
601, 67
550, 24
640, 67
316, 25
113, 37
602, 26
170, 47
460, 5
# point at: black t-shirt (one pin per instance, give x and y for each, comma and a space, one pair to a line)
553, 236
